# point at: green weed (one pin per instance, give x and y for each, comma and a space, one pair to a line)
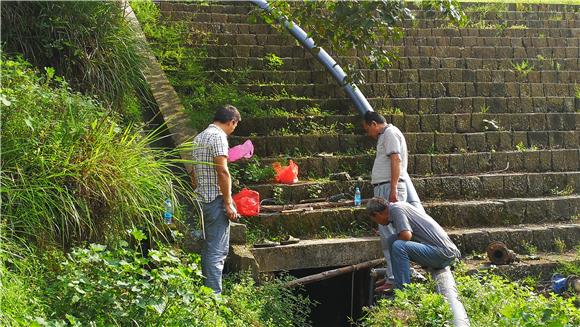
529, 248
559, 245
568, 190
71, 172
484, 109
273, 62
523, 68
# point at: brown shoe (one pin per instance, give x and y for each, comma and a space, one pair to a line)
385, 288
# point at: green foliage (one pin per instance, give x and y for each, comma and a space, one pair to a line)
19, 300
559, 245
252, 171
179, 49
271, 304
577, 91
273, 62
70, 172
90, 43
529, 248
364, 26
568, 190
390, 111
417, 305
523, 68
489, 300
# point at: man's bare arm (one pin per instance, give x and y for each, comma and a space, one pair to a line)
395, 174
405, 235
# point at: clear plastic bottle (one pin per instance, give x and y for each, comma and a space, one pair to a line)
168, 211
357, 197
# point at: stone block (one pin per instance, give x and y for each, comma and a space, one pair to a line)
470, 162
444, 143
425, 142
572, 159
571, 139
476, 141
440, 164
514, 212
500, 161
328, 143
555, 139
532, 161
537, 122
492, 186
448, 105
545, 161
456, 164
519, 137
463, 123
422, 164
446, 123
539, 139
427, 106
515, 185
471, 186
412, 123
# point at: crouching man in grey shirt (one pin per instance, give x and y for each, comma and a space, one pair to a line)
418, 238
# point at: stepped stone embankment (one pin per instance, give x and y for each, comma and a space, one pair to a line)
490, 113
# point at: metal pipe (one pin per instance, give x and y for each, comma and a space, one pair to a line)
334, 272
323, 57
446, 286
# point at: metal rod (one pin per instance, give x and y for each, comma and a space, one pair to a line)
359, 100
334, 272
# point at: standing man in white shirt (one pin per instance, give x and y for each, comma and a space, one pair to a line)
389, 176
214, 186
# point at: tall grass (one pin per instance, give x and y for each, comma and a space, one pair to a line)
70, 172
88, 42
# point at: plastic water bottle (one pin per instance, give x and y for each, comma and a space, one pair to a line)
357, 198
168, 211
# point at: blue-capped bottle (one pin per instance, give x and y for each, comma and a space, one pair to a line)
168, 211
357, 197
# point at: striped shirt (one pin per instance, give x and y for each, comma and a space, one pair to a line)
207, 145
390, 141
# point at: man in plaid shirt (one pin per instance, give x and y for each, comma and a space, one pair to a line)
214, 186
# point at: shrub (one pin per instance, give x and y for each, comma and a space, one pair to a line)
116, 285
489, 300
70, 172
88, 42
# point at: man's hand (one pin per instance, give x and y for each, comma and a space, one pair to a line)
393, 196
232, 213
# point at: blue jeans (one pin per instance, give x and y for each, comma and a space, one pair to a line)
217, 242
406, 193
402, 252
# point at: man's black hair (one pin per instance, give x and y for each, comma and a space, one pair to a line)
226, 114
373, 116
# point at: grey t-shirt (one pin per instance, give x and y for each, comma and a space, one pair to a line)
390, 141
425, 229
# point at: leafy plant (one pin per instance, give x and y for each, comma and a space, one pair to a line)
523, 68
521, 147
529, 248
391, 111
314, 191
484, 109
70, 172
362, 26
577, 91
90, 43
278, 194
559, 245
252, 171
273, 62
489, 300
568, 190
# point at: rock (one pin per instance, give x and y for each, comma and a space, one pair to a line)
342, 176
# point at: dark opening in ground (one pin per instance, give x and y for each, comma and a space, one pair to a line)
335, 306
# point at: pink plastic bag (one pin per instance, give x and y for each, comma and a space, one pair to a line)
244, 150
247, 202
287, 174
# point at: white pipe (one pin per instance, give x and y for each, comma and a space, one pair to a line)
446, 286
359, 100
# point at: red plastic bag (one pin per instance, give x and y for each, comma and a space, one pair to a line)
287, 174
247, 202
